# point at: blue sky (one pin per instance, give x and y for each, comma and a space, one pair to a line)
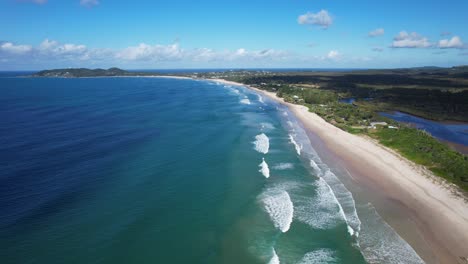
37, 34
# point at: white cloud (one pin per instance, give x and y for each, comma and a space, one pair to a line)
89, 3
148, 52
410, 40
377, 32
50, 52
333, 55
454, 42
55, 50
322, 19
13, 49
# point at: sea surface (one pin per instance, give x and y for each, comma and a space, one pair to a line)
157, 170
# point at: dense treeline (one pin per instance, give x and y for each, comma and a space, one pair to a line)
438, 98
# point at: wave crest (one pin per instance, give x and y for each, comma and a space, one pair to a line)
280, 208
264, 169
245, 101
262, 143
296, 145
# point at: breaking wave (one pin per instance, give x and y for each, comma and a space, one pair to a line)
262, 143
274, 259
297, 146
319, 256
279, 207
245, 101
264, 169
379, 243
260, 99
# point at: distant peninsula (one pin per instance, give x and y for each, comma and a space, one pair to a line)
84, 72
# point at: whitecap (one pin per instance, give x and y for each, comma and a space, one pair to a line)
296, 145
262, 143
260, 99
320, 211
319, 256
279, 207
346, 202
274, 259
264, 169
245, 101
283, 166
315, 167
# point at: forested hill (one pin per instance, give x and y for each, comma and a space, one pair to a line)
83, 72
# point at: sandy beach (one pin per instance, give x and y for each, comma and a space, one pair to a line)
431, 216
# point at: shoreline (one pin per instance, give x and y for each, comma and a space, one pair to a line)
427, 212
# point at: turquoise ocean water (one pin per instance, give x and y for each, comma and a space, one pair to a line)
156, 170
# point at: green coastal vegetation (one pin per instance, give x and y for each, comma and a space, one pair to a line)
432, 93
429, 92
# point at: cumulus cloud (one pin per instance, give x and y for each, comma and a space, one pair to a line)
89, 3
453, 43
322, 19
54, 48
12, 49
377, 32
149, 52
333, 55
57, 53
410, 40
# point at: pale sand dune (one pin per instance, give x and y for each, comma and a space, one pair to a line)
439, 214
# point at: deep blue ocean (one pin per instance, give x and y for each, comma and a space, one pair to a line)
158, 170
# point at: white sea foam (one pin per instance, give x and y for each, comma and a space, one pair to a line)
297, 146
260, 99
264, 169
283, 166
319, 256
279, 206
346, 201
315, 167
320, 211
262, 143
379, 243
245, 101
236, 91
266, 126
289, 123
341, 211
274, 259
